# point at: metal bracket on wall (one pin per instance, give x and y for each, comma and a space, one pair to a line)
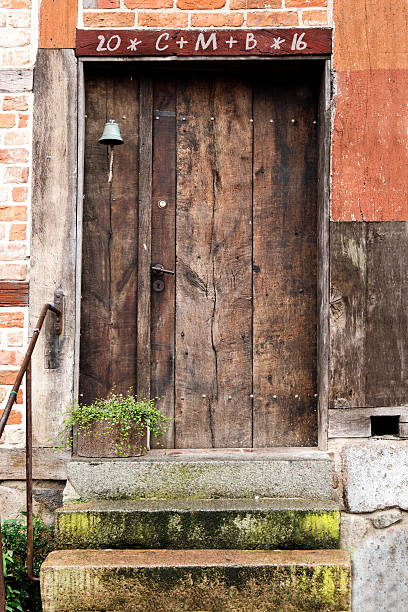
58, 303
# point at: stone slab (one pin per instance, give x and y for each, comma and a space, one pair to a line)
163, 580
375, 475
248, 524
202, 478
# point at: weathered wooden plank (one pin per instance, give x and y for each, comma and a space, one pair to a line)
386, 292
144, 238
14, 294
110, 227
323, 258
53, 234
163, 249
196, 368
231, 246
47, 464
285, 267
16, 80
356, 422
348, 264
58, 19
296, 41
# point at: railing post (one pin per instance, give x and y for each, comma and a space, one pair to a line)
29, 476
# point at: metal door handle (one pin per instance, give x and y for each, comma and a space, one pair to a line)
159, 269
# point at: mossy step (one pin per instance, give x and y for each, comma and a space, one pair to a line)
264, 524
171, 581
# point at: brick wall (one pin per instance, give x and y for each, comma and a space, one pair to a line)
18, 20
203, 13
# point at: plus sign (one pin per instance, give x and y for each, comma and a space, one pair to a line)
182, 42
231, 42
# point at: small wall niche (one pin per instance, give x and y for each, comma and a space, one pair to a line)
385, 425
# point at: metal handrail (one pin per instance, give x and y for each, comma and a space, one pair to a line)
25, 369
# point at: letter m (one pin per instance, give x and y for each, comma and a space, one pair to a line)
206, 43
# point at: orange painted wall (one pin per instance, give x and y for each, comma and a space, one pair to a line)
370, 149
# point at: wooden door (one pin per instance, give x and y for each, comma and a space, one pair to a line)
233, 214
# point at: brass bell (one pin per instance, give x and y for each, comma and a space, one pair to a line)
111, 134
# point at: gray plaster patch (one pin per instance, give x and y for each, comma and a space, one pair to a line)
191, 479
379, 573
90, 4
376, 476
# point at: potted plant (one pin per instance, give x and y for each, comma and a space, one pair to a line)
118, 426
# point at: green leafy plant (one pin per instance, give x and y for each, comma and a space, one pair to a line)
21, 594
125, 415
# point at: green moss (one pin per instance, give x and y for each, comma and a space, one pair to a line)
249, 529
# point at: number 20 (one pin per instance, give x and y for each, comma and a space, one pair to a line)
112, 44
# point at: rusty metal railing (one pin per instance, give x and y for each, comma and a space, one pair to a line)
25, 369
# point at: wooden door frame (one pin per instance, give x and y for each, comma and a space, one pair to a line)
323, 246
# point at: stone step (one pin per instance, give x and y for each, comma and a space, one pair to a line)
263, 524
306, 473
171, 581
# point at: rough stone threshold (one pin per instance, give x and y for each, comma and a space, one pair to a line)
162, 580
197, 474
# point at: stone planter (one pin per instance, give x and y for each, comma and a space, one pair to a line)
96, 443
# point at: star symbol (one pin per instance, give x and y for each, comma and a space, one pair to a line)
277, 42
182, 42
231, 42
133, 44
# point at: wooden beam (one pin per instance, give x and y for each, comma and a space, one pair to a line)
356, 422
144, 238
58, 20
47, 464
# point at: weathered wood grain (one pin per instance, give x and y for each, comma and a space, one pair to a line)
47, 464
13, 294
196, 367
16, 80
285, 266
323, 255
144, 239
296, 41
356, 422
369, 344
110, 227
53, 233
58, 19
163, 249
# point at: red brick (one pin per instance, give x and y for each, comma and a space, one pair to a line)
314, 17
22, 120
3, 393
108, 4
8, 377
19, 194
266, 19
149, 4
109, 20
14, 418
17, 58
16, 137
2, 20
19, 399
18, 231
16, 175
15, 338
15, 4
12, 252
13, 213
7, 120
20, 20
11, 358
14, 38
216, 20
2, 231
11, 319
304, 3
13, 156
254, 4
9, 271
163, 20
200, 4
15, 103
